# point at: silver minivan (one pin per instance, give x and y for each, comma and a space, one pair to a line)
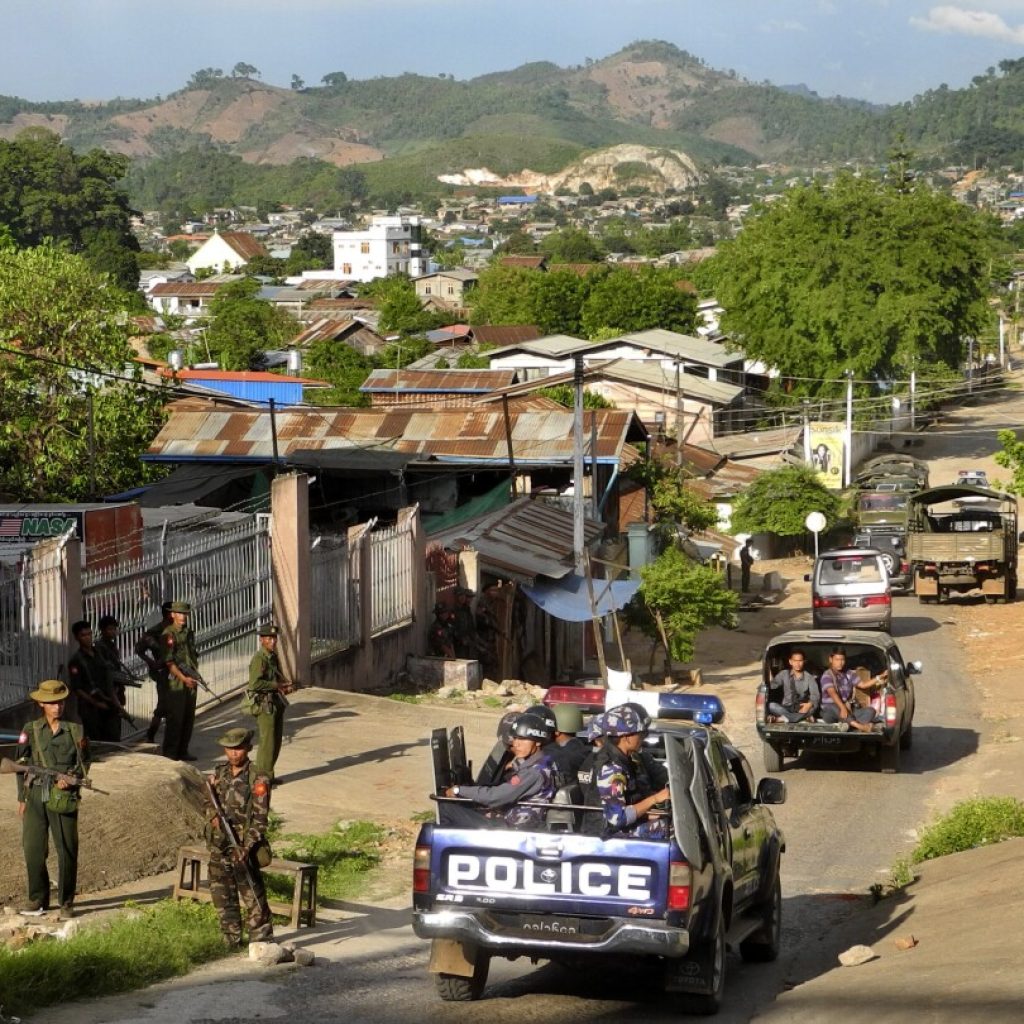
850, 590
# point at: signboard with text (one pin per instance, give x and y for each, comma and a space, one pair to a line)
828, 450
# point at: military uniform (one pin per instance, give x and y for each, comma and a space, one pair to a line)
89, 673
245, 797
440, 638
267, 705
150, 649
178, 648
463, 626
50, 811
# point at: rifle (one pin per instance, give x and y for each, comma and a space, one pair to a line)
30, 771
227, 828
125, 678
113, 705
193, 674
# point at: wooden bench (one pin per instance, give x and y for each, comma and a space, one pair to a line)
193, 864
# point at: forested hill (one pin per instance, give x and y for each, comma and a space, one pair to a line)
650, 93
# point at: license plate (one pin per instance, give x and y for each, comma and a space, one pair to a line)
851, 602
550, 926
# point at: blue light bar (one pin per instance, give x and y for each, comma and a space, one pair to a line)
698, 707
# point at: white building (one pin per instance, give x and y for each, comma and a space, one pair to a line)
390, 245
225, 251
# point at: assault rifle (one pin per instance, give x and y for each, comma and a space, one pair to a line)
113, 705
193, 673
241, 860
122, 677
31, 771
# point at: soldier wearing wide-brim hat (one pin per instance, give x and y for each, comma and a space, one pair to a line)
47, 808
244, 795
178, 653
266, 699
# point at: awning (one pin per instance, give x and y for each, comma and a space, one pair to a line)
192, 482
352, 460
569, 598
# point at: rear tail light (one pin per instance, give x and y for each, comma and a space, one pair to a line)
421, 869
679, 886
904, 568
890, 710
581, 696
877, 599
761, 706
827, 602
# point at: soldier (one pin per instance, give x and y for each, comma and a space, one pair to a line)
106, 648
440, 639
178, 652
568, 751
89, 675
463, 625
266, 696
244, 794
48, 807
149, 650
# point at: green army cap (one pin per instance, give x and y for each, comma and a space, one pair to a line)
181, 606
235, 738
268, 630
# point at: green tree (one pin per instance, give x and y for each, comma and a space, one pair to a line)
503, 296
243, 70
1011, 457
677, 599
471, 361
50, 193
312, 251
334, 79
399, 305
297, 83
636, 300
564, 394
242, 327
779, 500
572, 245
856, 276
398, 354
519, 243
62, 329
343, 367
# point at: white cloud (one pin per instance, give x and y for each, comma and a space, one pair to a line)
951, 19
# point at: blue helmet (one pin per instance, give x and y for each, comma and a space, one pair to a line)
623, 721
645, 715
595, 728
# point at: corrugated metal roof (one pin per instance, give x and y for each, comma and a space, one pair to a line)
326, 329
529, 538
529, 262
243, 243
245, 376
681, 346
449, 435
556, 346
505, 334
438, 381
186, 289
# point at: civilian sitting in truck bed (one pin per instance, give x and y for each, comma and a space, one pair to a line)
616, 789
838, 685
801, 697
529, 777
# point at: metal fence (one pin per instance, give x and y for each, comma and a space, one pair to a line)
223, 572
392, 601
334, 622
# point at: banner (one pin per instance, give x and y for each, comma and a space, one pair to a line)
828, 449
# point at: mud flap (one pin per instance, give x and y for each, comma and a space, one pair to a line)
450, 956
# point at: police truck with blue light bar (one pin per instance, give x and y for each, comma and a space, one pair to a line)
563, 895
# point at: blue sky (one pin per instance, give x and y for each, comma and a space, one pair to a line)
879, 50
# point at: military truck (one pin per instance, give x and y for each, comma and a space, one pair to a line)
962, 538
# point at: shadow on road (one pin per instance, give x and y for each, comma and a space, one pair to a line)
913, 625
935, 747
378, 754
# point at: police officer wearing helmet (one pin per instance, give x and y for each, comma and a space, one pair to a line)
651, 774
568, 751
530, 777
501, 755
615, 789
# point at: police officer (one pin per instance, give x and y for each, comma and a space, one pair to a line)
500, 757
463, 624
244, 794
92, 685
568, 751
149, 649
49, 807
178, 653
266, 697
531, 778
625, 811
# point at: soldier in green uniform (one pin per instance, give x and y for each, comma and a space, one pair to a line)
178, 653
267, 701
150, 651
464, 632
244, 794
48, 807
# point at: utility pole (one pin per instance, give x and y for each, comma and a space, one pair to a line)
577, 463
679, 416
913, 397
848, 447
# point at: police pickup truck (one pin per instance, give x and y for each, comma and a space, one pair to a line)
565, 896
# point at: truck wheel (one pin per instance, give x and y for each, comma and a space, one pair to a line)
772, 757
453, 988
889, 759
907, 739
710, 1003
763, 946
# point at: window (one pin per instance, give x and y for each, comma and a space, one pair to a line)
346, 268
451, 289
426, 289
364, 248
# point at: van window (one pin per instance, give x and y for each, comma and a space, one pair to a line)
849, 569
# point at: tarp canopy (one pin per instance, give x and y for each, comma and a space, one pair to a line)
351, 461
569, 599
497, 497
193, 482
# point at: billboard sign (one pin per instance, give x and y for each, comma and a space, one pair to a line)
828, 450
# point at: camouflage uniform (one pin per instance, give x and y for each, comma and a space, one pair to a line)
49, 809
245, 797
178, 647
268, 706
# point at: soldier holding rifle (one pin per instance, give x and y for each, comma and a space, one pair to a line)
91, 682
239, 796
267, 701
48, 799
178, 653
150, 651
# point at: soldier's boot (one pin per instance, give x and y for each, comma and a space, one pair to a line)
232, 941
154, 725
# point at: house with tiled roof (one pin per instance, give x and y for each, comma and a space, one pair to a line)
225, 249
446, 288
343, 331
526, 262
